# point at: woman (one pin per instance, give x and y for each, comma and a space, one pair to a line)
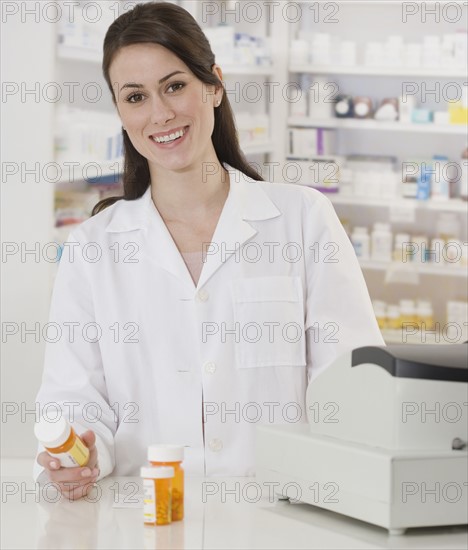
216, 297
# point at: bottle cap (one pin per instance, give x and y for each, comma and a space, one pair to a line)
393, 311
156, 472
165, 453
52, 433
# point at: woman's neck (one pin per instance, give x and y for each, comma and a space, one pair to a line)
190, 194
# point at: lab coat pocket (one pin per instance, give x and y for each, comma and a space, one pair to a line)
269, 322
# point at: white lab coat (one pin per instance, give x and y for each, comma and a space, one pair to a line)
280, 295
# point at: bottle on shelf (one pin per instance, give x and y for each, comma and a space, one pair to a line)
361, 242
393, 317
425, 315
463, 187
407, 312
401, 242
381, 242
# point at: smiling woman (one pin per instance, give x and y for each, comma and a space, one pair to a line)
218, 296
162, 75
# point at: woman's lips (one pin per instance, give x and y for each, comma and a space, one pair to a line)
172, 144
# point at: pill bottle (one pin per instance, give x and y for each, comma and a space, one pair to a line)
61, 441
362, 107
344, 106
381, 239
360, 239
400, 251
157, 494
393, 317
380, 314
425, 314
171, 455
463, 186
407, 313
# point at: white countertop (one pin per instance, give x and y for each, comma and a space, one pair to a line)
219, 513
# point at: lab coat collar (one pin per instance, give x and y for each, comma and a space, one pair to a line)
252, 203
245, 202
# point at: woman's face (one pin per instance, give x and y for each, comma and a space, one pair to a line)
156, 105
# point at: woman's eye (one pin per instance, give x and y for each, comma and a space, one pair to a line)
177, 85
131, 98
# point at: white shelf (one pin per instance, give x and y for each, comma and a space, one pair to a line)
253, 148
247, 70
69, 53
91, 56
436, 72
413, 267
453, 205
356, 124
399, 336
108, 168
90, 169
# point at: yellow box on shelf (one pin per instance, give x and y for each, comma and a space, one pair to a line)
458, 112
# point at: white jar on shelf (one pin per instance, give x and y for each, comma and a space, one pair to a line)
381, 239
402, 240
320, 99
299, 52
361, 242
393, 317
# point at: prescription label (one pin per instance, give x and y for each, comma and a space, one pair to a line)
78, 455
149, 501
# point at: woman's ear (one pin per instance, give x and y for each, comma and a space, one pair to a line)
219, 90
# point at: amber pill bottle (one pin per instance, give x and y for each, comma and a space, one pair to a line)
157, 494
171, 455
61, 441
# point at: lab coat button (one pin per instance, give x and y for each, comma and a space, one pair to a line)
210, 367
215, 445
202, 295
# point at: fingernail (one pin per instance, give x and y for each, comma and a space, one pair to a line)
86, 473
54, 465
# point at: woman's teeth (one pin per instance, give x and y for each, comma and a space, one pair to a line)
170, 137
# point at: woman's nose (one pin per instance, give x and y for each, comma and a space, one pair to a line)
161, 111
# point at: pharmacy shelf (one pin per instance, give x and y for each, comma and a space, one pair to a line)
253, 148
413, 267
259, 70
400, 336
68, 53
362, 70
353, 124
91, 169
108, 169
453, 205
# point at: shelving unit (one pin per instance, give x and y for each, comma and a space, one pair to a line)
413, 72
369, 125
414, 267
373, 137
452, 205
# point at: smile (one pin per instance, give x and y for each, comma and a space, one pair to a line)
169, 138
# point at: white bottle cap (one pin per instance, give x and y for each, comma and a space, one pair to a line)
165, 453
156, 472
52, 433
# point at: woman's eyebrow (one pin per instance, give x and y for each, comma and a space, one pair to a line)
163, 79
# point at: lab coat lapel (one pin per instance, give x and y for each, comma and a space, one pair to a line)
157, 245
245, 201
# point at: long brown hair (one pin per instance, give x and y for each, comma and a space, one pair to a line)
174, 28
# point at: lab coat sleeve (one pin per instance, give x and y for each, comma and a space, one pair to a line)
73, 376
339, 315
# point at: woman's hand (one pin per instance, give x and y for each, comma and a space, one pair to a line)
73, 483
